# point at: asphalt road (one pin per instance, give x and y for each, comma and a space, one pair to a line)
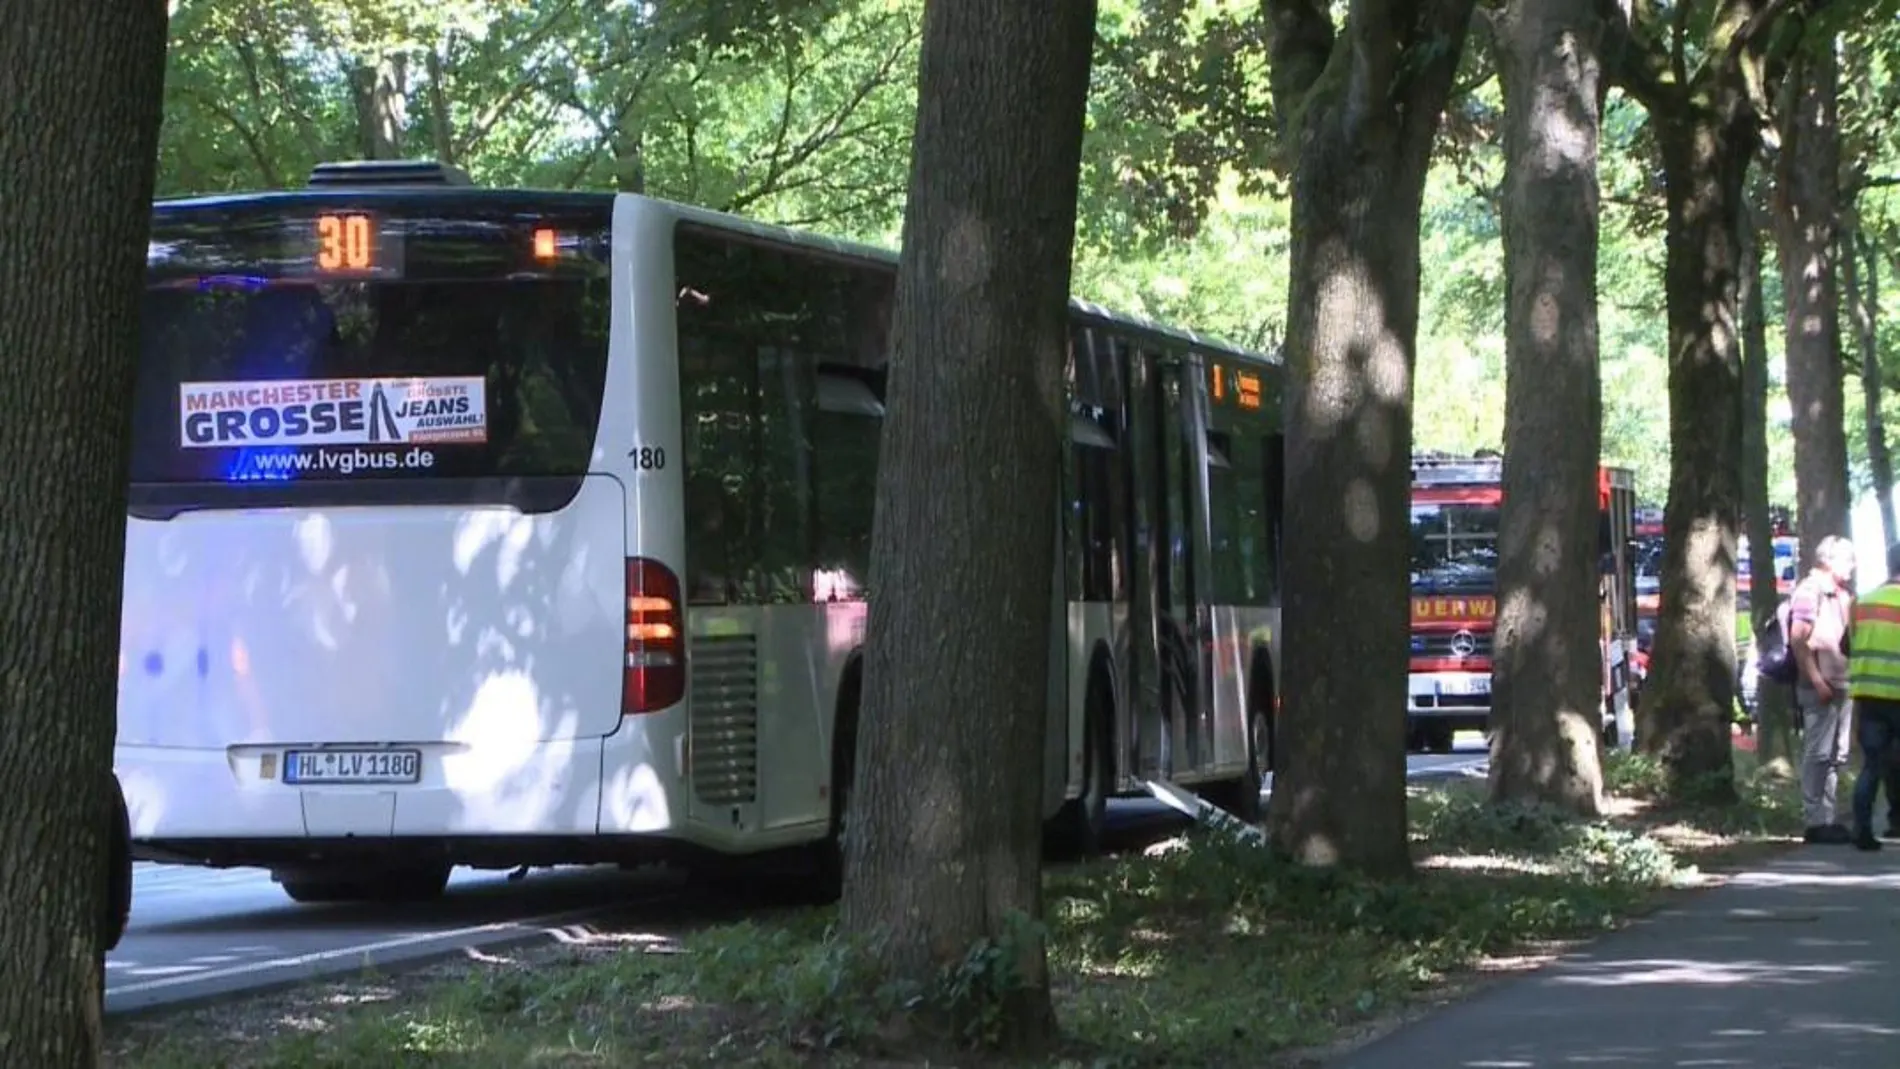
203, 933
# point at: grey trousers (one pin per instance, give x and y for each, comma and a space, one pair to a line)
1826, 744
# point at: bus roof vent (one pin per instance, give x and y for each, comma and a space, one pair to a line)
358, 173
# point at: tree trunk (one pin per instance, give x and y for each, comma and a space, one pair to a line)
1807, 221
381, 94
1546, 670
1706, 148
1863, 302
629, 152
80, 89
944, 848
1364, 139
441, 115
1774, 738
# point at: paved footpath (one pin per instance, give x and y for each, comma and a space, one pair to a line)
1794, 965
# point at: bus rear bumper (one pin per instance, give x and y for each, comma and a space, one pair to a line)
237, 793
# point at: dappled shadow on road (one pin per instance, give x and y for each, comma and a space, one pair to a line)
1790, 966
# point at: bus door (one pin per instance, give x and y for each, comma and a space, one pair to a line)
1165, 609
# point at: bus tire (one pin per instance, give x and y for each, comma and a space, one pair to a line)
317, 890
829, 853
412, 883
118, 901
1081, 826
423, 882
1241, 796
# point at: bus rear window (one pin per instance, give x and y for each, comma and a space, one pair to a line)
463, 345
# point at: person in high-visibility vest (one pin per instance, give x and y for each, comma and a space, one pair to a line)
1873, 682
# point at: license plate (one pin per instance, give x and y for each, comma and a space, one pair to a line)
1462, 687
352, 766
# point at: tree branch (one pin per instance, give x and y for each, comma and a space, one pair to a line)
1758, 24
1679, 41
1633, 62
1481, 39
267, 170
1426, 55
532, 78
1300, 39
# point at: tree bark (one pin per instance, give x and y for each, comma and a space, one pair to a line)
945, 834
1364, 109
1774, 738
1807, 225
1863, 301
1707, 143
629, 152
1546, 674
1707, 127
381, 94
441, 115
80, 88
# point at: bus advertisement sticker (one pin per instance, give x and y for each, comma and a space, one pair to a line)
293, 412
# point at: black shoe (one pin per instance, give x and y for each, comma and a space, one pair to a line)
1828, 835
1864, 840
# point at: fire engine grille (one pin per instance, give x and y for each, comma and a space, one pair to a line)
1439, 644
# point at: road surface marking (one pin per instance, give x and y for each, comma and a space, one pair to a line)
548, 922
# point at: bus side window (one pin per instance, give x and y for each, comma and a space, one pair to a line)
847, 422
718, 400
1271, 449
1234, 523
846, 426
783, 485
717, 471
1092, 526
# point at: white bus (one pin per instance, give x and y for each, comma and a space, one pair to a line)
501, 528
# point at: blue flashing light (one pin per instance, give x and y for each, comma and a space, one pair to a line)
247, 283
251, 466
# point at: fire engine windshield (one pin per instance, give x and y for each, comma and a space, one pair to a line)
1649, 567
1454, 548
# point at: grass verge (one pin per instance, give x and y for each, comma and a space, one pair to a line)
1200, 951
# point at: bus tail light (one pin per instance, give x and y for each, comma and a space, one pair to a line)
656, 642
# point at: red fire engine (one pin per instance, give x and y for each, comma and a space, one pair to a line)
1455, 508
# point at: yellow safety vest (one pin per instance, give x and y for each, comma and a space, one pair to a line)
1873, 664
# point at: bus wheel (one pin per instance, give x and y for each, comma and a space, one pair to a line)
418, 883
828, 854
1241, 797
314, 890
1081, 827
118, 902
409, 883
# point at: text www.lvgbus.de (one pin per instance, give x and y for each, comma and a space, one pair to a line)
342, 461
